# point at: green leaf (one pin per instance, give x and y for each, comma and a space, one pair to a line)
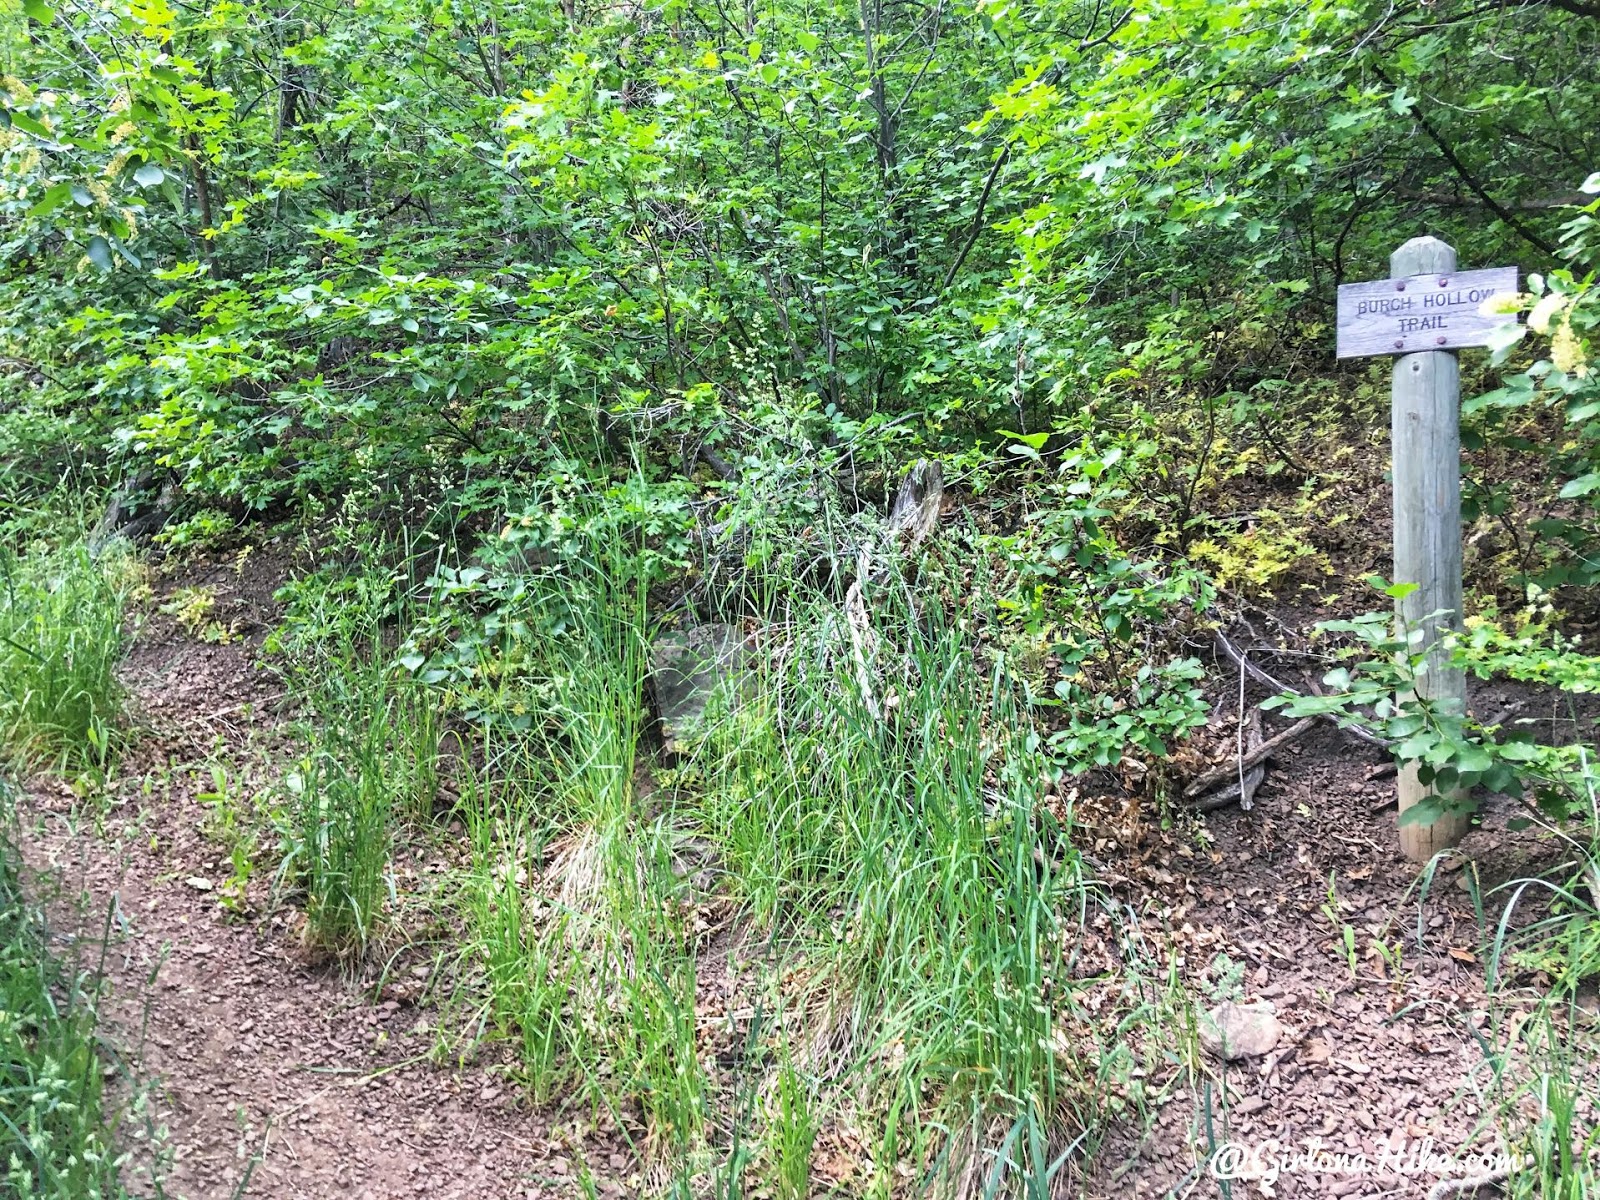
28, 125
1416, 746
39, 11
1581, 486
82, 196
149, 176
1425, 812
1406, 725
99, 252
53, 199
1590, 185
1395, 591
1034, 441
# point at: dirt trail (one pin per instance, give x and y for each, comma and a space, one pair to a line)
266, 1070
273, 1076
1380, 1056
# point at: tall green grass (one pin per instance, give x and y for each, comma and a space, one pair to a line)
907, 857
55, 1140
904, 903
370, 744
1540, 1078
61, 638
570, 897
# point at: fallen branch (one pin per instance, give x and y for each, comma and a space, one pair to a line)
1235, 790
1242, 661
1216, 775
1244, 787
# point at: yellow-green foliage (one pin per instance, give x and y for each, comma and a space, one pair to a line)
1272, 546
193, 607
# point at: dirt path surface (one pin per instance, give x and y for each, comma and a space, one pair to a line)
272, 1076
1382, 1057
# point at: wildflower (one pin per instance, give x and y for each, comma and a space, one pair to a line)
1566, 351
1539, 319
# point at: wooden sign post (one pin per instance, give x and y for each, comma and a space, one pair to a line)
1423, 313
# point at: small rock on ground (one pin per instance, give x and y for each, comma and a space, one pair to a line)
1234, 1031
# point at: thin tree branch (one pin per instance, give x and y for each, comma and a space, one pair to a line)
977, 218
1466, 177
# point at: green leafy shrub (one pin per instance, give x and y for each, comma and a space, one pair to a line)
1071, 587
1563, 315
1378, 688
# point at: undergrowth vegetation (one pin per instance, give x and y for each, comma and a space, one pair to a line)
61, 638
843, 907
55, 1138
370, 742
1537, 1081
967, 369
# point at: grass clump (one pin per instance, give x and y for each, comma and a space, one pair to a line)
1539, 1080
837, 915
61, 638
370, 741
55, 1140
899, 848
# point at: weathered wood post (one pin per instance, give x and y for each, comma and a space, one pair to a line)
1425, 440
1422, 315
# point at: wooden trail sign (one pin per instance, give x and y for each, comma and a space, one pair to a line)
1424, 312
1437, 310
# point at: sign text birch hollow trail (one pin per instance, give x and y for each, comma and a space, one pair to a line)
1423, 313
1427, 310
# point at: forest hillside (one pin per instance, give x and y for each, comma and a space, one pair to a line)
676, 598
